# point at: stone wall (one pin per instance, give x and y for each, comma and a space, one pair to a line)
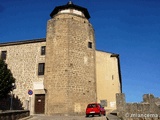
22, 59
14, 115
146, 110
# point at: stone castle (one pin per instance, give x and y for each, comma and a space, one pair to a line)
64, 71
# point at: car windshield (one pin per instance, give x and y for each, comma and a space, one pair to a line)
92, 105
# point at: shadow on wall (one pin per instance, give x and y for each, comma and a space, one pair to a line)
5, 103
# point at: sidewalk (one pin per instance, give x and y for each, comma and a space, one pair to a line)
44, 117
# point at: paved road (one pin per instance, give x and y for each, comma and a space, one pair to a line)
44, 117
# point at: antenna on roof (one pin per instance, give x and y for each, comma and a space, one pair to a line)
70, 2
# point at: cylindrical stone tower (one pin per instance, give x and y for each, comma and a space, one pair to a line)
70, 70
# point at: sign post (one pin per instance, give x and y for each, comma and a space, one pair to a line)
30, 92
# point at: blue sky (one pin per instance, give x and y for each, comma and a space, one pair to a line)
130, 28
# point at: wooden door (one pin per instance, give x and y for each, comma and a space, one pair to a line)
39, 103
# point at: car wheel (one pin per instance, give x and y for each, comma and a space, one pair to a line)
100, 114
87, 115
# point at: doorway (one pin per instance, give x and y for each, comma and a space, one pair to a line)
39, 103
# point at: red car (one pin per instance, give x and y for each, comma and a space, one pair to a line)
95, 109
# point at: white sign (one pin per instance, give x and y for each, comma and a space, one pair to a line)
38, 85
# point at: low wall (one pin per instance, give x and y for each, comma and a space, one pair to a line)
146, 110
14, 115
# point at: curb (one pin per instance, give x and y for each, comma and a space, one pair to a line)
26, 118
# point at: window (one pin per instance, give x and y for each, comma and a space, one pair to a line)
112, 77
3, 55
89, 44
41, 68
43, 50
92, 106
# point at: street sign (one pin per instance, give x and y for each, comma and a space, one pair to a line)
30, 92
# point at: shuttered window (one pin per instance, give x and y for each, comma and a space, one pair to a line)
41, 67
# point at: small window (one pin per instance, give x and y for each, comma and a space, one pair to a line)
43, 50
41, 68
89, 44
3, 55
112, 77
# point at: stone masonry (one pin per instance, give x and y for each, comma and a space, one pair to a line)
146, 110
22, 59
70, 78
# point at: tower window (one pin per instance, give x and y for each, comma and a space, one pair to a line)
43, 50
41, 67
3, 55
89, 44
